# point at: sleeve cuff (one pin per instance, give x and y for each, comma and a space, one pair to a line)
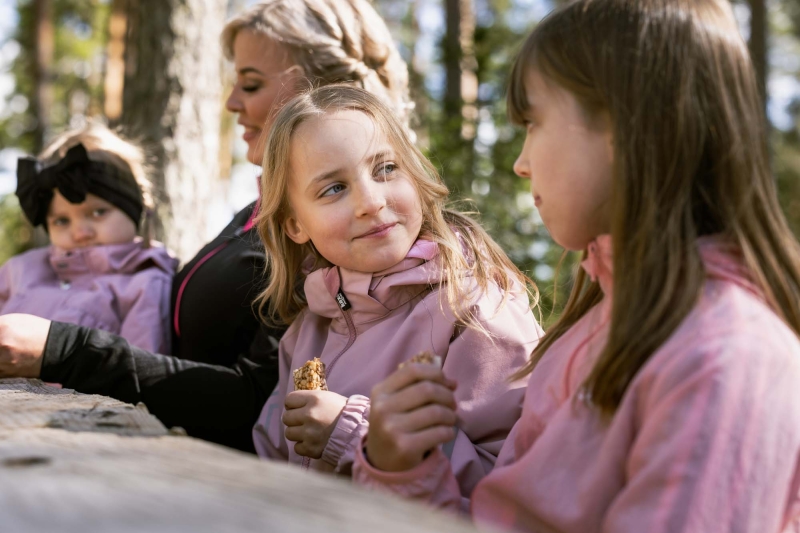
430, 467
346, 436
62, 339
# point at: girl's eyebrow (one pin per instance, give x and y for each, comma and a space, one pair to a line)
249, 70
323, 177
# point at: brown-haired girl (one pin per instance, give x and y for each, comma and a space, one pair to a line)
667, 396
370, 269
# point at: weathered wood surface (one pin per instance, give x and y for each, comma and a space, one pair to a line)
79, 463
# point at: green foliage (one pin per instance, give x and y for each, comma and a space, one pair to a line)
80, 38
16, 234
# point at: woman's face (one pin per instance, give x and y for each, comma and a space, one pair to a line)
266, 79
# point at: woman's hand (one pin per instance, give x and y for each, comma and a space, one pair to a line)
411, 412
310, 418
22, 340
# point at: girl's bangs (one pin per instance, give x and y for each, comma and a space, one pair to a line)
516, 98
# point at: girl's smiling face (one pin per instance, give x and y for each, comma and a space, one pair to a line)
568, 158
348, 195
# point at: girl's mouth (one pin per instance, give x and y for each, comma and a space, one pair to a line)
378, 231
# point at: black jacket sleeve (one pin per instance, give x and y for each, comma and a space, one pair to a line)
215, 403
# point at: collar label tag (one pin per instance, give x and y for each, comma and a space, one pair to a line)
341, 299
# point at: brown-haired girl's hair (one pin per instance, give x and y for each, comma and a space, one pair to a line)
465, 247
690, 159
332, 41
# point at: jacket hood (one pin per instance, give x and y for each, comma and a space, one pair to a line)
125, 258
373, 295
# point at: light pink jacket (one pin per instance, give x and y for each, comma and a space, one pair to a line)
706, 439
120, 288
395, 314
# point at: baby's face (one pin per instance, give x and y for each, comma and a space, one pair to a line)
91, 222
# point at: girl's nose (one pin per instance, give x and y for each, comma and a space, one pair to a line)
370, 198
82, 232
521, 168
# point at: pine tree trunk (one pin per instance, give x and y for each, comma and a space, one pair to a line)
171, 102
759, 35
115, 61
43, 69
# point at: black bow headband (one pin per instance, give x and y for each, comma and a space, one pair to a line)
75, 176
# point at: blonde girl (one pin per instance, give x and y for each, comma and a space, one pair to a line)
370, 269
89, 190
667, 396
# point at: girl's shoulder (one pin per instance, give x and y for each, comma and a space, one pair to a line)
30, 259
731, 335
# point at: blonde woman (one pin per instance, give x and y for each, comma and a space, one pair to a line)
278, 48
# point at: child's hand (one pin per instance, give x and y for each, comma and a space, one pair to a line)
22, 341
411, 412
309, 418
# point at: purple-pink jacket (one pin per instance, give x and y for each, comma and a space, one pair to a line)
706, 439
120, 288
394, 315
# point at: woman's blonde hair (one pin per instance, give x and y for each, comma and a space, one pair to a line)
465, 249
332, 41
690, 159
110, 147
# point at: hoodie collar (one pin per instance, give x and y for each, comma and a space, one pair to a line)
722, 260
373, 295
125, 258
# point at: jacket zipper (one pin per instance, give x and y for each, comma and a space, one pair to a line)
344, 306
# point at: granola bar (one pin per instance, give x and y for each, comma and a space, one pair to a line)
426, 358
310, 376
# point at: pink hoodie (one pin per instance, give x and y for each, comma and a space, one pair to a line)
120, 288
396, 314
706, 439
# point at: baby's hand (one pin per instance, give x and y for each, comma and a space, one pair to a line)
309, 418
411, 412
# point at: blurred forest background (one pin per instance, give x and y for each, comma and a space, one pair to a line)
155, 68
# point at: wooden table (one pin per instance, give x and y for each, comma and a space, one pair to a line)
79, 463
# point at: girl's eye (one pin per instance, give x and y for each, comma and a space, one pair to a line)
250, 88
60, 221
336, 188
97, 213
386, 169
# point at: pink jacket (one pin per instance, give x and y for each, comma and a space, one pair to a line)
120, 288
395, 314
706, 439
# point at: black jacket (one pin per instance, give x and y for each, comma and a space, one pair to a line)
219, 402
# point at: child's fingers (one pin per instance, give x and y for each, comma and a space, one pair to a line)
425, 418
427, 439
294, 434
296, 399
293, 417
408, 375
417, 395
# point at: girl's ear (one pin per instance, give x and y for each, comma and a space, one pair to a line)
294, 229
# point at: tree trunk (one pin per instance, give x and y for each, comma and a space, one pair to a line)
115, 61
758, 44
43, 69
171, 102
